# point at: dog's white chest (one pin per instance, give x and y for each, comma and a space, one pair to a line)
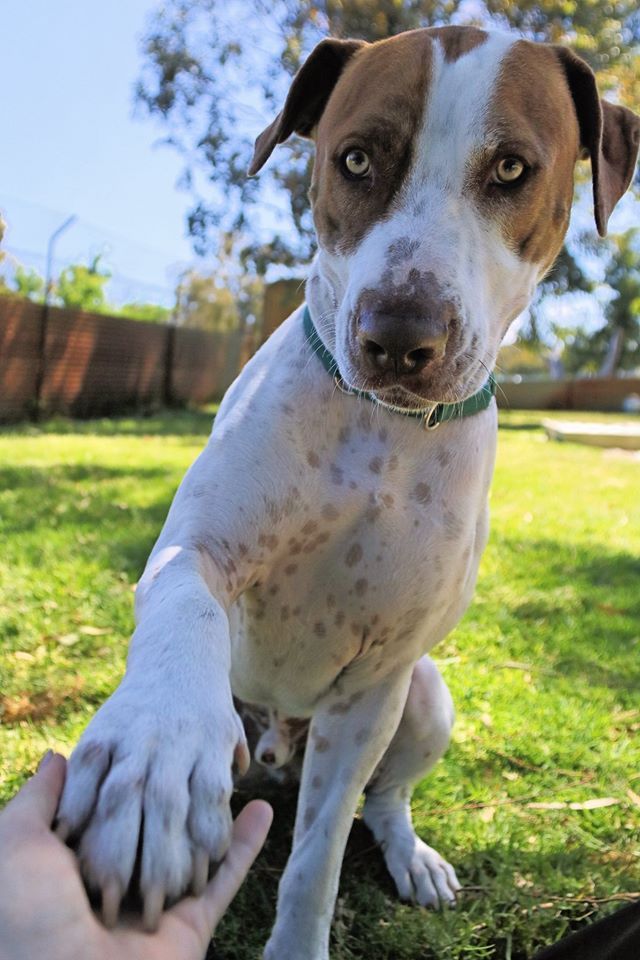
375, 565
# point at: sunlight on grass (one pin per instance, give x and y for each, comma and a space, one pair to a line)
544, 670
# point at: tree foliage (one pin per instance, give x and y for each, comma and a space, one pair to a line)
615, 346
215, 73
83, 287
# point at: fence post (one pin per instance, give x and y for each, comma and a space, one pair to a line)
45, 313
167, 391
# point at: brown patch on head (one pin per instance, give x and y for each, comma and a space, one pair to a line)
456, 41
543, 131
313, 459
376, 105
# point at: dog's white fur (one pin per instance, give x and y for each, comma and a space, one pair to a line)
315, 551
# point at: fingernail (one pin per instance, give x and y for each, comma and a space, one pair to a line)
45, 760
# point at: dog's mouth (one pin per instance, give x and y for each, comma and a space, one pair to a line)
451, 383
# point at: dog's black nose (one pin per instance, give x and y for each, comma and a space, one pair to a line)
400, 345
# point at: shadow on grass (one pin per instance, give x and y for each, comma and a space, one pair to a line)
85, 503
530, 425
594, 632
369, 921
164, 423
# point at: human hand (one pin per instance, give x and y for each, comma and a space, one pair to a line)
44, 909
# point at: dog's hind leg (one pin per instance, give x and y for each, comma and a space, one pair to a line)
419, 872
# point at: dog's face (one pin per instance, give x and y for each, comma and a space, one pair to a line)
441, 194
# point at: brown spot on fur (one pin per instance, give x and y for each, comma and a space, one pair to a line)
340, 708
310, 527
313, 459
422, 493
353, 555
361, 587
290, 569
344, 434
319, 629
284, 613
329, 512
309, 816
268, 540
321, 743
337, 474
375, 465
339, 618
243, 549
331, 600
361, 736
382, 435
317, 781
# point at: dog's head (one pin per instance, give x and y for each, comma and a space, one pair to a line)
441, 194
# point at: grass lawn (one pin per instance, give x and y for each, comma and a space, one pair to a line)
537, 802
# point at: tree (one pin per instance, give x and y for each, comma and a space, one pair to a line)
28, 283
229, 297
150, 312
82, 287
616, 345
217, 72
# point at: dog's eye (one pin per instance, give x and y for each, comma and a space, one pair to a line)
356, 164
509, 169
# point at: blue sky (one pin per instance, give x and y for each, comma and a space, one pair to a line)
72, 145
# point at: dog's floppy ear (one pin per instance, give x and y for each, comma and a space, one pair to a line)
307, 98
610, 134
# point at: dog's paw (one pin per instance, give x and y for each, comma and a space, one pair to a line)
421, 874
152, 780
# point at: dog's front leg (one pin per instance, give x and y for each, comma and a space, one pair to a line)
347, 738
152, 772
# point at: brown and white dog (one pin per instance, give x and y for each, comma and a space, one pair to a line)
323, 542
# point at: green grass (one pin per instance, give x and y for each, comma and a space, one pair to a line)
544, 670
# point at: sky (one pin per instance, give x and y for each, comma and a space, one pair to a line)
71, 145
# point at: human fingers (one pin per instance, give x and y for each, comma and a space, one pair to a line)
38, 798
249, 833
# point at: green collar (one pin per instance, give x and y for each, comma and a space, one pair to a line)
432, 417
